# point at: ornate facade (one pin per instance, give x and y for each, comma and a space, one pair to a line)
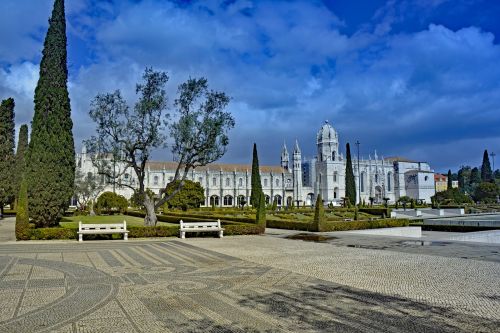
295, 181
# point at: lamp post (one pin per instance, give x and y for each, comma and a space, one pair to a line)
359, 178
493, 159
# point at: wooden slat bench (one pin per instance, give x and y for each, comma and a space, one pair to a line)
201, 227
94, 229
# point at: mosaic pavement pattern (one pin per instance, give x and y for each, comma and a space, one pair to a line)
174, 286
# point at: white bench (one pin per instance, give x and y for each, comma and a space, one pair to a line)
94, 229
201, 227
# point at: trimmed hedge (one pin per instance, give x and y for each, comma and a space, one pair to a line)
379, 211
26, 231
340, 225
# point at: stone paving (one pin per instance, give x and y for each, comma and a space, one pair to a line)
241, 284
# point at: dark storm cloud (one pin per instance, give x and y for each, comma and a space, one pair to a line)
426, 94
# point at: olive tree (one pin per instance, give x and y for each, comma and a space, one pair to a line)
126, 136
87, 188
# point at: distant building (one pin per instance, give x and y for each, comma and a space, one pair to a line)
441, 182
295, 181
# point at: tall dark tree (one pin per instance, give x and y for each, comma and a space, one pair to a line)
51, 156
350, 184
22, 148
463, 178
475, 177
450, 180
486, 172
256, 184
7, 159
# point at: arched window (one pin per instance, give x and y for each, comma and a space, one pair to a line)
376, 178
228, 200
228, 182
362, 182
389, 181
241, 200
267, 199
277, 197
240, 182
214, 200
333, 155
335, 176
336, 193
265, 182
277, 182
155, 180
214, 181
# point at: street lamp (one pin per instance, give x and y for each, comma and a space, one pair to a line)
493, 159
359, 179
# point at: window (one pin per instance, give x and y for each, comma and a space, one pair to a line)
426, 177
240, 182
228, 200
265, 181
241, 200
277, 198
170, 179
228, 182
376, 178
126, 176
155, 180
335, 176
389, 182
268, 199
200, 180
277, 182
333, 156
214, 200
214, 181
362, 182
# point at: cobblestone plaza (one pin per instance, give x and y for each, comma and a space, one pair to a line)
246, 284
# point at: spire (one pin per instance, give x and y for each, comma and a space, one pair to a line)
284, 151
297, 149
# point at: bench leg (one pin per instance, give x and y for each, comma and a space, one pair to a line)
220, 234
125, 237
80, 237
183, 234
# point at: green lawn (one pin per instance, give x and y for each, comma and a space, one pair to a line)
72, 222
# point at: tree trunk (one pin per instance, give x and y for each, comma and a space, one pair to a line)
150, 218
92, 213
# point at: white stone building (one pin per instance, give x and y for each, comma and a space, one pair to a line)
295, 181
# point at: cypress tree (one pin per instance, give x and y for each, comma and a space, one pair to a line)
22, 147
486, 172
256, 184
260, 217
350, 184
319, 214
475, 177
22, 216
450, 181
7, 159
51, 156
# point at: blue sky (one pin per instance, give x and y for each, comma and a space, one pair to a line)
413, 78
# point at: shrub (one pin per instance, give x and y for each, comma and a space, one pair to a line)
111, 201
339, 225
319, 215
378, 211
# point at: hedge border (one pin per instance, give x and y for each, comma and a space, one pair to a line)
340, 225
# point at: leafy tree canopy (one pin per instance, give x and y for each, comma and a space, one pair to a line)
190, 196
109, 201
486, 192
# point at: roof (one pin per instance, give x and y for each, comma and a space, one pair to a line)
399, 159
218, 167
438, 176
